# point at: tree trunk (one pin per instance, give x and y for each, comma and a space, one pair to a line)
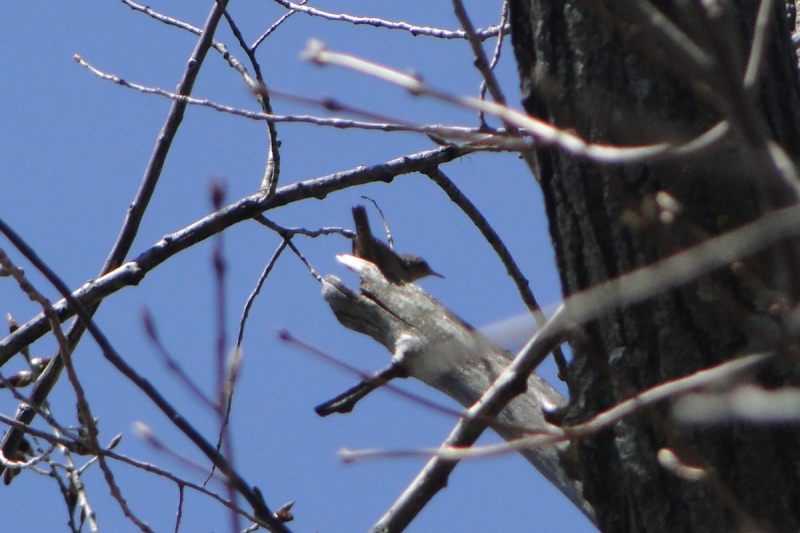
605, 70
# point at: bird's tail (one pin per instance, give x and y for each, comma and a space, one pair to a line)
361, 221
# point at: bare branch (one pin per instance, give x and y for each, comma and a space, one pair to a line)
132, 272
474, 136
439, 33
543, 133
255, 500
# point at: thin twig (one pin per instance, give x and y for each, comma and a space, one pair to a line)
481, 63
439, 33
171, 21
274, 27
133, 220
579, 308
240, 337
269, 181
242, 210
112, 356
760, 37
494, 240
287, 237
544, 134
172, 363
65, 352
498, 48
475, 136
259, 284
726, 373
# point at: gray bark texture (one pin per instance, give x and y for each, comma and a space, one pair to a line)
432, 344
605, 70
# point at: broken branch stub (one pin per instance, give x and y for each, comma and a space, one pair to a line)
438, 348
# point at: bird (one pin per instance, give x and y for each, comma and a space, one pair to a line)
397, 268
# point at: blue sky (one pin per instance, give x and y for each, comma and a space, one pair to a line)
72, 151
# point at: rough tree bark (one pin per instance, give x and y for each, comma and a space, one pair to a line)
605, 70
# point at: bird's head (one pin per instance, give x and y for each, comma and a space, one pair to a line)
416, 267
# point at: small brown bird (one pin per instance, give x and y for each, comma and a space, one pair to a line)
396, 267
